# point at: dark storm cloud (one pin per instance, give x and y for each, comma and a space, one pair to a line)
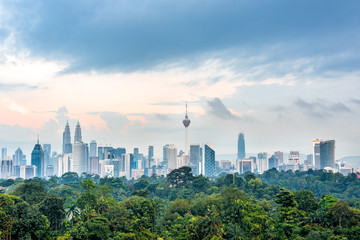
321, 108
137, 35
218, 109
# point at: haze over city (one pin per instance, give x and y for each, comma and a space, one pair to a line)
281, 72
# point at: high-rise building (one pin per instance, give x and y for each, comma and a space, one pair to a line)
67, 146
263, 162
125, 164
27, 171
244, 165
150, 157
18, 157
78, 164
118, 152
102, 152
93, 147
327, 154
165, 156
208, 164
47, 154
172, 157
195, 158
6, 167
78, 136
273, 162
94, 165
309, 159
294, 157
316, 153
37, 159
241, 146
3, 153
280, 156
186, 123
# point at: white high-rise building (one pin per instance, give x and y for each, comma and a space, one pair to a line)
79, 158
172, 157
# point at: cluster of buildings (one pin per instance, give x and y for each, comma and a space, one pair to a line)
89, 158
323, 157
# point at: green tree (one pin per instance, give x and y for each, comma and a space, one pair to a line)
180, 177
53, 208
32, 193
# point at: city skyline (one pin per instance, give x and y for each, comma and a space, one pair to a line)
125, 70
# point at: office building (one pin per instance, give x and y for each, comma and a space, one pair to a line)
171, 157
3, 153
18, 157
195, 158
316, 153
244, 165
93, 148
78, 164
27, 171
262, 162
47, 154
241, 146
273, 162
94, 165
208, 164
327, 154
6, 167
37, 159
280, 156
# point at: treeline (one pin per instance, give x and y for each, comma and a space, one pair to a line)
274, 205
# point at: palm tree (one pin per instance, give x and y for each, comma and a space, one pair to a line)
72, 212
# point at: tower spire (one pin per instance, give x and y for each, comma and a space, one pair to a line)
38, 139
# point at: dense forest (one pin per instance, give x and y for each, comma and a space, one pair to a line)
274, 205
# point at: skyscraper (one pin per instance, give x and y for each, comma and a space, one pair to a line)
186, 123
241, 146
47, 154
172, 156
18, 157
150, 156
3, 153
165, 156
67, 147
208, 164
93, 147
37, 159
327, 154
195, 158
78, 137
79, 158
316, 153
280, 156
6, 167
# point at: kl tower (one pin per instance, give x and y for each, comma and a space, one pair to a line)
186, 123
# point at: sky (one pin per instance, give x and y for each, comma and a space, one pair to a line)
282, 72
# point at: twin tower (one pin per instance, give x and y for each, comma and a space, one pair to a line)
67, 146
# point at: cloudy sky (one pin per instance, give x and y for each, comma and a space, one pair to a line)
283, 72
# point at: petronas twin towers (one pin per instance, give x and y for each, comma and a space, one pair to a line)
67, 146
